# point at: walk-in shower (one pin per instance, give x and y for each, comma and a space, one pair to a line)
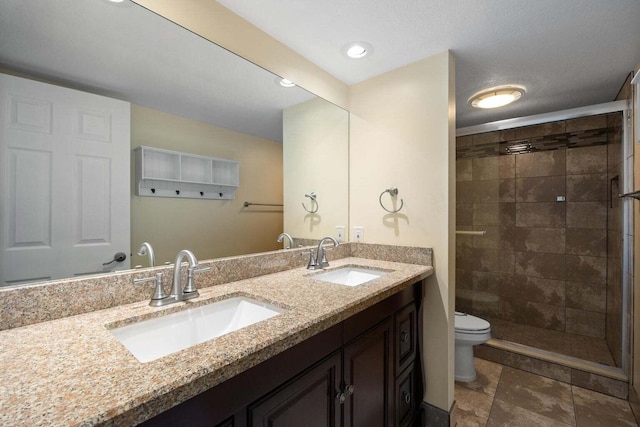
551, 272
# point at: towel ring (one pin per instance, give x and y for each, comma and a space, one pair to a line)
312, 196
393, 192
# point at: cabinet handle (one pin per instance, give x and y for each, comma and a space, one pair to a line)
349, 389
406, 397
340, 397
404, 336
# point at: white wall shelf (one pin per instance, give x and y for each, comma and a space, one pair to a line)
166, 173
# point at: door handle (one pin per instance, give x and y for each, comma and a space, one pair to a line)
118, 257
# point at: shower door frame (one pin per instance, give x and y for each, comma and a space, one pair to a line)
624, 107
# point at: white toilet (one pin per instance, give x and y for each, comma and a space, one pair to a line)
470, 331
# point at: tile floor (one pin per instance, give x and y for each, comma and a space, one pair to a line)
582, 347
504, 396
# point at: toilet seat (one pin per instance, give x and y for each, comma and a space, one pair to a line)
468, 324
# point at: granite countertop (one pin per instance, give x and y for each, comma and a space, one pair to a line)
72, 371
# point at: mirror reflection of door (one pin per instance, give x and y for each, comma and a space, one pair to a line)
64, 192
189, 95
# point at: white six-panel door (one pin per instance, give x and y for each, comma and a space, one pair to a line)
64, 181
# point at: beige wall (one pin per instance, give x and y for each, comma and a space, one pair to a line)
210, 228
214, 22
403, 135
316, 159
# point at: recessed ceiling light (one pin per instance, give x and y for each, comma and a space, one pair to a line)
286, 83
357, 50
497, 96
118, 3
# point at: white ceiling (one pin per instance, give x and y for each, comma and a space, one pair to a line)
567, 53
129, 53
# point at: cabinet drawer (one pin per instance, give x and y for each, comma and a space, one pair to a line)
405, 337
406, 397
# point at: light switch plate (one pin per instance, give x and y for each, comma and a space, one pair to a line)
358, 234
340, 233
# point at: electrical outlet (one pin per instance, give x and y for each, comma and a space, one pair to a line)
358, 234
340, 233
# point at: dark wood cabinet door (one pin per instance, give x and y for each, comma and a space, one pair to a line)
308, 400
368, 369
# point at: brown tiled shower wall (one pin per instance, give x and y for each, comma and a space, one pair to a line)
543, 262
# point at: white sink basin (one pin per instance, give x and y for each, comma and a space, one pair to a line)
154, 338
349, 276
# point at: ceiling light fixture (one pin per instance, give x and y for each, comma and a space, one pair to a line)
497, 96
286, 83
118, 3
357, 50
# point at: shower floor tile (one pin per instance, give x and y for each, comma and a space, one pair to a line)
585, 348
520, 398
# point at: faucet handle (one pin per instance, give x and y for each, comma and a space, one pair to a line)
190, 287
322, 261
328, 248
311, 265
144, 280
158, 292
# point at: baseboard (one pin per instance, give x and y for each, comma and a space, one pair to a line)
634, 402
432, 416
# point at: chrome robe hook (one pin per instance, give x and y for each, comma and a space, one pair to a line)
312, 196
393, 192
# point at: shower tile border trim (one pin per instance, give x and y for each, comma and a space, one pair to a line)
562, 360
565, 369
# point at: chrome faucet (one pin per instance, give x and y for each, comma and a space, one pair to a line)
146, 249
320, 260
189, 291
177, 293
285, 235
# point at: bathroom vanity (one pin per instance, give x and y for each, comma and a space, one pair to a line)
336, 354
361, 371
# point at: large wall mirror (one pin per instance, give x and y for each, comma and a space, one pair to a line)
188, 95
